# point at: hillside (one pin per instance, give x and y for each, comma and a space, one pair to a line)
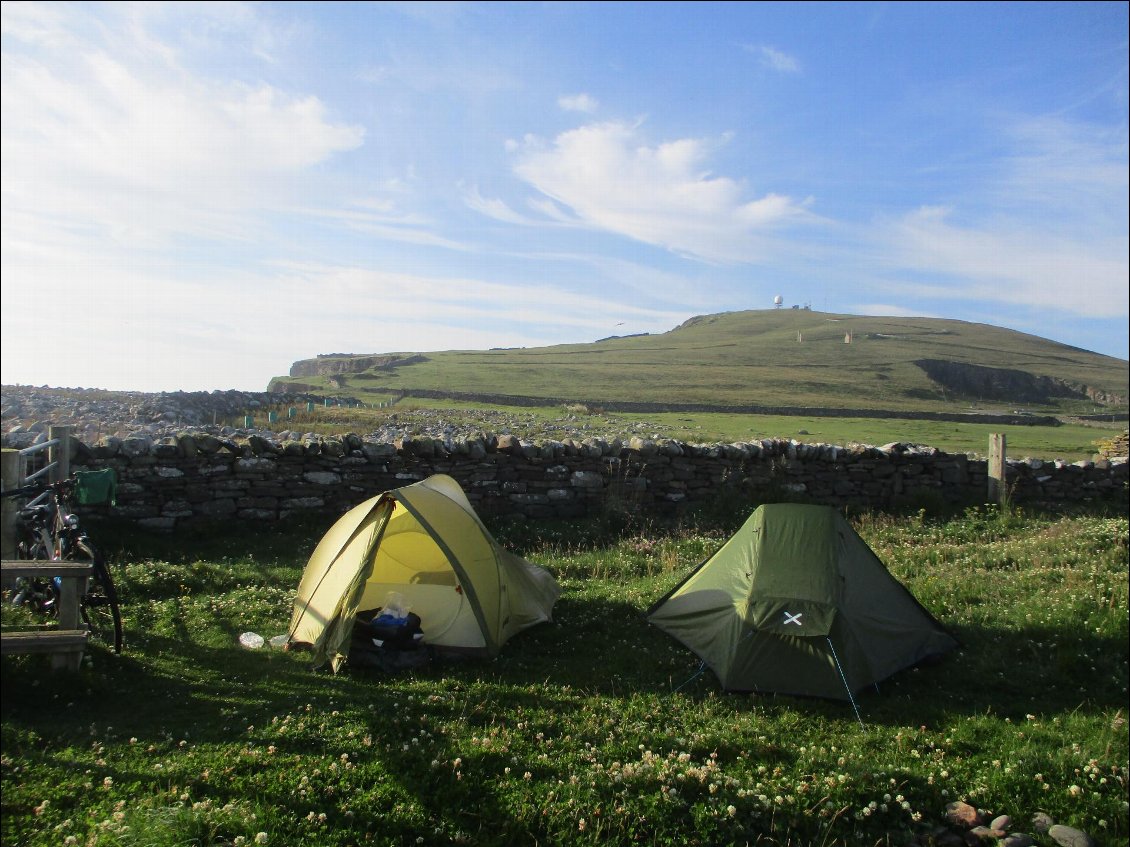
766, 359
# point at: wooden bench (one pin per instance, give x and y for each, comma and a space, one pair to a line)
67, 643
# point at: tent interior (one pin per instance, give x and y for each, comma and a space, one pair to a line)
410, 562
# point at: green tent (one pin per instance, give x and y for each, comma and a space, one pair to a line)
425, 545
797, 603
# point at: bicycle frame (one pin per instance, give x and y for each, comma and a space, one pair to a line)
48, 530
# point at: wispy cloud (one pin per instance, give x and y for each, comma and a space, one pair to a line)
890, 310
665, 194
1047, 229
775, 60
578, 103
1006, 264
150, 153
494, 208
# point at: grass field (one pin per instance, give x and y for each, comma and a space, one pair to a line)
1070, 442
596, 729
795, 358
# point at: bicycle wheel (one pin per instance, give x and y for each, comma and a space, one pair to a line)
40, 596
99, 606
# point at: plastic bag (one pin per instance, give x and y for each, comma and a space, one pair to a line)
394, 612
251, 640
279, 640
395, 606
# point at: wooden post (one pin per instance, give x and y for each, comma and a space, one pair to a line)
10, 472
60, 454
998, 491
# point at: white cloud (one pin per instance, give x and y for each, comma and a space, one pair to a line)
665, 195
147, 326
1048, 230
578, 103
1005, 263
146, 150
776, 60
890, 310
492, 207
35, 23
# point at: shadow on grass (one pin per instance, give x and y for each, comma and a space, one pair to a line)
594, 648
599, 654
225, 702
1003, 672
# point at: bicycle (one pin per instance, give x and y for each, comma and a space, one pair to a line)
49, 531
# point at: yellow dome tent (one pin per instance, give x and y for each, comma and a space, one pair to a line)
425, 543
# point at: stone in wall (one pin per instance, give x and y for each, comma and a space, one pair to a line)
167, 483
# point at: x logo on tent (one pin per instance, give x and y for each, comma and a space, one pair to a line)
791, 618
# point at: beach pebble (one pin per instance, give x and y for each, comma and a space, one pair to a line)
1069, 836
962, 814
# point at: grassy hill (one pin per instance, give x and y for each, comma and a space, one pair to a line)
776, 358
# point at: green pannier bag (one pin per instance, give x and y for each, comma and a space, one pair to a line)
95, 488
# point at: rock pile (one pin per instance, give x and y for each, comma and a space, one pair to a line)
27, 411
1117, 446
967, 826
96, 415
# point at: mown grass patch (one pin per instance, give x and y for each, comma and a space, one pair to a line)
595, 729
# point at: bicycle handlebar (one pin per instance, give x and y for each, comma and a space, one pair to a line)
57, 487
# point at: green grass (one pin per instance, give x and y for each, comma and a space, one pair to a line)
596, 729
754, 358
1069, 442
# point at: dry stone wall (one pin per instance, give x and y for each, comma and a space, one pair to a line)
195, 475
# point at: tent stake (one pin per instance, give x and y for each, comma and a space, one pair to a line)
846, 687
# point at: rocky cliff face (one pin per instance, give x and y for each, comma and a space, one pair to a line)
1007, 385
348, 363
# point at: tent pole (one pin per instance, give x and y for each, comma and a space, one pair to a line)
846, 687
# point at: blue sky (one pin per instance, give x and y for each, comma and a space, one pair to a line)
194, 196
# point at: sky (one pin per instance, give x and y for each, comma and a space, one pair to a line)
194, 196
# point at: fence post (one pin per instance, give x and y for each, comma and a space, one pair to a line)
60, 454
998, 492
10, 473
